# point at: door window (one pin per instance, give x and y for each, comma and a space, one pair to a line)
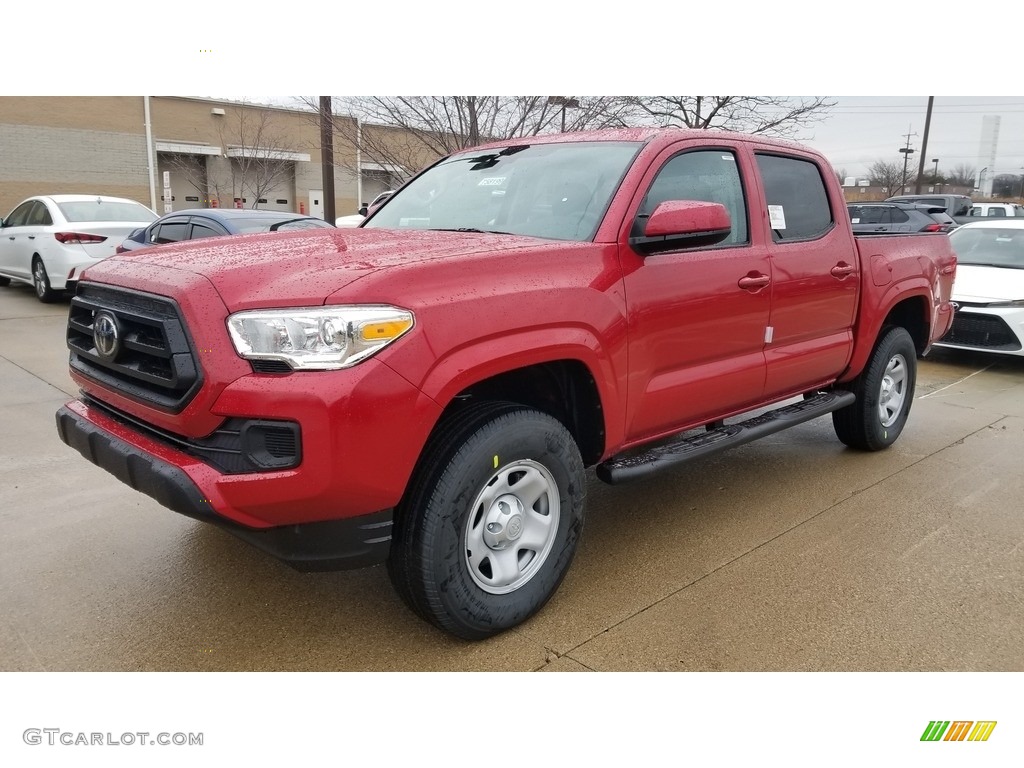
798, 206
19, 216
708, 175
170, 232
38, 216
201, 230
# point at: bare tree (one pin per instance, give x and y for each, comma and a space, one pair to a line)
403, 133
780, 116
963, 175
1006, 185
888, 175
260, 147
192, 168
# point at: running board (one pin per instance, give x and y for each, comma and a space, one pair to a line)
632, 467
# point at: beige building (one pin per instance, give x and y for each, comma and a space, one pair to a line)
206, 152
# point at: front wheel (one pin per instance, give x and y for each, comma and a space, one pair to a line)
885, 392
491, 522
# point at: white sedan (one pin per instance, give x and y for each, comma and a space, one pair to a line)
50, 239
989, 287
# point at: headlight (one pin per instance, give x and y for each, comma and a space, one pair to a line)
1017, 303
317, 338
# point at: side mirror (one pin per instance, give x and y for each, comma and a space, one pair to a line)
2, 223
362, 210
677, 224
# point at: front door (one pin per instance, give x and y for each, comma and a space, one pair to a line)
697, 317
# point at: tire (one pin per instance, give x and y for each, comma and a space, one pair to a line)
885, 392
491, 521
41, 282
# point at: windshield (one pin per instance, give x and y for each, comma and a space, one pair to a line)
989, 246
105, 210
557, 191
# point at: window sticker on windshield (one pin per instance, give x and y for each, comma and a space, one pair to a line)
492, 181
728, 157
777, 216
855, 221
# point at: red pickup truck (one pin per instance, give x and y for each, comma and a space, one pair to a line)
428, 390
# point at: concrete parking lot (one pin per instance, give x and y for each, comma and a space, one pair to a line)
791, 553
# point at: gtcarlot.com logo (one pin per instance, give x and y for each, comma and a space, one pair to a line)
57, 737
958, 730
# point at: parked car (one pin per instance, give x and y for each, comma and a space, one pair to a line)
898, 217
954, 205
196, 223
989, 287
360, 216
48, 239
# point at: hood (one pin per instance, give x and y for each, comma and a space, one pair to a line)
305, 267
987, 284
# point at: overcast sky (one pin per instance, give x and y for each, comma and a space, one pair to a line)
862, 129
457, 46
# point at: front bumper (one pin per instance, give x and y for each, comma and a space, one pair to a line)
986, 329
317, 546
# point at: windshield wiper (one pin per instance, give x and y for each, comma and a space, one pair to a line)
470, 229
276, 226
989, 264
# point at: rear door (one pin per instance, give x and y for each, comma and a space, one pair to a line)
697, 316
815, 274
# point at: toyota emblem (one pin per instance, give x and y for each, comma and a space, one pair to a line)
106, 335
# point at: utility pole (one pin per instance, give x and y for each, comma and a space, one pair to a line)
906, 152
924, 145
563, 102
327, 156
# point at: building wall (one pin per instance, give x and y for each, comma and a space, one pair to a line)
86, 144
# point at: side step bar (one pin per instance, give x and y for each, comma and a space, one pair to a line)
632, 467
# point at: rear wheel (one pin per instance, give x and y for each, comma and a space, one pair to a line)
491, 522
885, 392
41, 282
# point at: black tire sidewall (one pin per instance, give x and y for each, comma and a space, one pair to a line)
895, 342
465, 608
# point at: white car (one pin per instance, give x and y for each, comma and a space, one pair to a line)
49, 239
989, 287
357, 218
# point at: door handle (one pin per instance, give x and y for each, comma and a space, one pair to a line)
31, 237
753, 282
842, 269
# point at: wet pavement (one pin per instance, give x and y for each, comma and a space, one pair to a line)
789, 553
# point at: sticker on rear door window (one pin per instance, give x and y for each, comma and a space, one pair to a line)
777, 216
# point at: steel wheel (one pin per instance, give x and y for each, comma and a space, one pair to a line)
512, 526
893, 391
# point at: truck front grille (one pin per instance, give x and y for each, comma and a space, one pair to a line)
135, 343
981, 331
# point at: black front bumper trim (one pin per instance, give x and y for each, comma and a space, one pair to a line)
321, 546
